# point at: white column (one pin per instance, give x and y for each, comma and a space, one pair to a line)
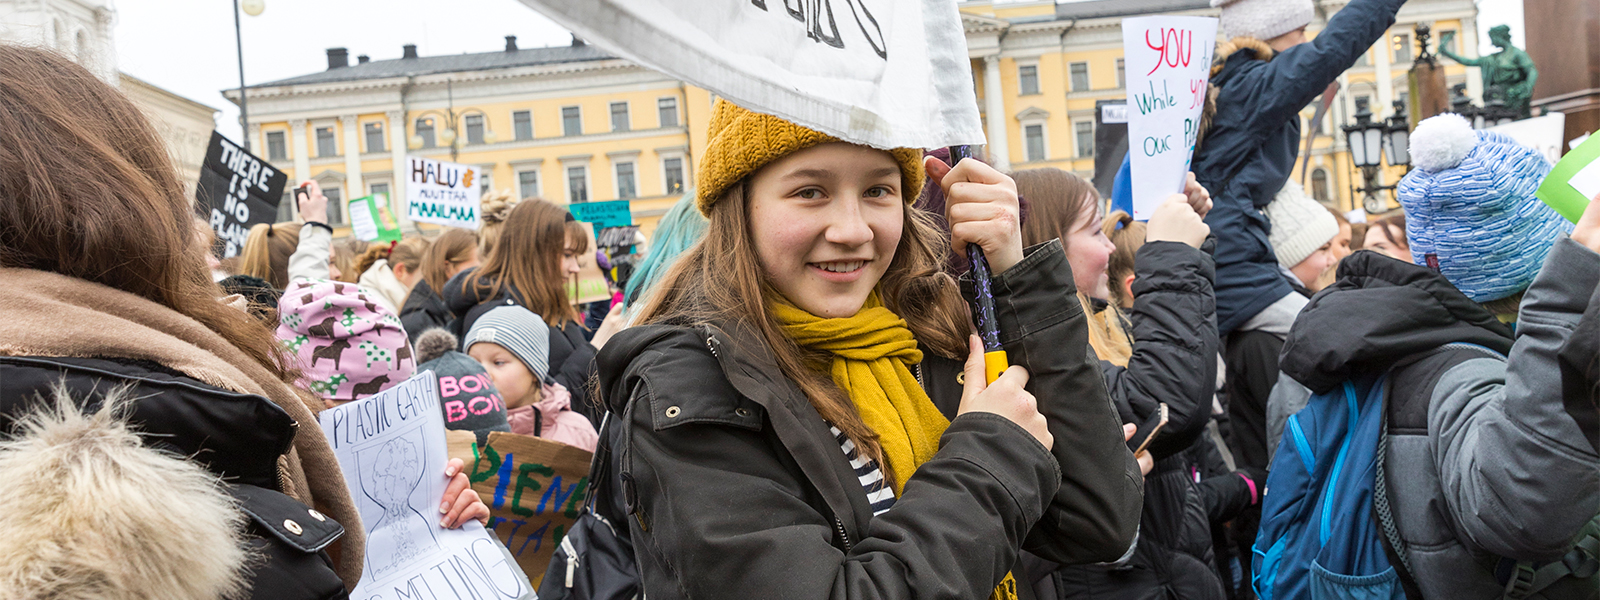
994, 107
1469, 48
258, 145
397, 158
1385, 75
352, 158
302, 152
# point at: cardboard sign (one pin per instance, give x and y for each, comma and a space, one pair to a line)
1169, 64
590, 285
1573, 181
237, 190
601, 215
391, 447
534, 488
1540, 133
442, 193
372, 219
884, 73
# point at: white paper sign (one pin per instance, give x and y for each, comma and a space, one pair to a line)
391, 447
1169, 66
361, 223
885, 73
1587, 180
1540, 133
442, 193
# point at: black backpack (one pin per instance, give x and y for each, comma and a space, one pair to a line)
595, 560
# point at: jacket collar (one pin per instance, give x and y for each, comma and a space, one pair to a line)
1379, 311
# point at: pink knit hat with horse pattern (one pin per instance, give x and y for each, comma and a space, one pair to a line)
347, 345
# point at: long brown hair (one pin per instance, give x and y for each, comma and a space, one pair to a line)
720, 279
267, 250
1057, 201
527, 262
90, 192
406, 252
453, 247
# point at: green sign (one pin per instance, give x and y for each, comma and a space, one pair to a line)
601, 215
372, 219
1574, 180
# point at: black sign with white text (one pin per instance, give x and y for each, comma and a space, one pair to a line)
236, 191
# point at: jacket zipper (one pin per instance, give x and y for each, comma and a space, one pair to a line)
712, 347
920, 384
843, 535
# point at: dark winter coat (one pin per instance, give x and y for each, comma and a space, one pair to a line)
571, 355
239, 437
734, 487
1501, 458
423, 310
1253, 141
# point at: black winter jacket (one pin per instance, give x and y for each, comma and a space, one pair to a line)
424, 310
237, 436
734, 487
571, 355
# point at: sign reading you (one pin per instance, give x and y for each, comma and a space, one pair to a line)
1169, 65
236, 191
442, 193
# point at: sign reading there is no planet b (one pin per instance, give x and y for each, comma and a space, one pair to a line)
442, 193
236, 191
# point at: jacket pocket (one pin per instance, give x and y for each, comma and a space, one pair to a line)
288, 539
1327, 585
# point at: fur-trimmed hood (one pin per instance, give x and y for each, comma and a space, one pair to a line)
92, 513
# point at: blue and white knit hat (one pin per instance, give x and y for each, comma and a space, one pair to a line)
516, 329
1470, 205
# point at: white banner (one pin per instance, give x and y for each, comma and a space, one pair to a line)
884, 73
1540, 133
442, 193
1169, 67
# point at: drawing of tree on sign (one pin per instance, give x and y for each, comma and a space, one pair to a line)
821, 27
402, 534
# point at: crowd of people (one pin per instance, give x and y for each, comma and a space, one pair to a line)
789, 400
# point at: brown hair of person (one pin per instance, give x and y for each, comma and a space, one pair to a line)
267, 250
527, 261
720, 280
1394, 228
408, 252
90, 192
494, 207
1128, 236
451, 248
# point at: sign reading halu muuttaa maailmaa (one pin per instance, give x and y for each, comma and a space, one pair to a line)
442, 193
236, 191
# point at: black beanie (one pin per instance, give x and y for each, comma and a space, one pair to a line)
467, 395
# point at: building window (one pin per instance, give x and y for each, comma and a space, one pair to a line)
571, 123
1449, 34
528, 184
1402, 48
485, 179
374, 132
1363, 103
277, 147
619, 116
326, 146
378, 188
577, 184
286, 206
1080, 76
1084, 132
335, 195
425, 131
474, 124
1033, 136
1028, 79
1363, 60
1319, 185
667, 111
522, 122
627, 184
672, 174
1122, 74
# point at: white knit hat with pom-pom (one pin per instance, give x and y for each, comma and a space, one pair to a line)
1261, 19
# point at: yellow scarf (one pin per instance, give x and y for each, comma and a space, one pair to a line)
873, 352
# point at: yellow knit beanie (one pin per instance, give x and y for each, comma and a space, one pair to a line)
742, 141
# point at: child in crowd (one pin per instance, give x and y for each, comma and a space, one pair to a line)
1388, 236
454, 251
1303, 237
346, 345
467, 395
513, 345
391, 270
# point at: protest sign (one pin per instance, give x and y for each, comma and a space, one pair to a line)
372, 219
885, 73
1574, 181
1110, 143
442, 193
590, 284
1540, 133
236, 191
601, 215
391, 447
535, 489
1169, 64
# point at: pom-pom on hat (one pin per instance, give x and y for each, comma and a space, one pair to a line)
348, 345
1261, 19
1300, 225
743, 141
1470, 206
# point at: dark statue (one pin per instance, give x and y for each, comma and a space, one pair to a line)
1508, 74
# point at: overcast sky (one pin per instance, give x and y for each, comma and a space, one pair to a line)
187, 46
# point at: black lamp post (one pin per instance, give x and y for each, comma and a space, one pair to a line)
1370, 143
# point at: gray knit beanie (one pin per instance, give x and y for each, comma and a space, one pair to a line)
1261, 19
518, 330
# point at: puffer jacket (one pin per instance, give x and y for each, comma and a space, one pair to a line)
1501, 461
1254, 140
423, 310
571, 358
733, 486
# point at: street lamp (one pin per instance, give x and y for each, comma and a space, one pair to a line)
1371, 143
252, 8
448, 136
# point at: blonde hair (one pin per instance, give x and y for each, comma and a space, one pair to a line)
451, 248
494, 208
406, 252
1128, 236
267, 250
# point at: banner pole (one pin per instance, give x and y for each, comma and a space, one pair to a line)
994, 356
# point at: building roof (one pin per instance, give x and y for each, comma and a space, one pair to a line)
428, 65
1125, 8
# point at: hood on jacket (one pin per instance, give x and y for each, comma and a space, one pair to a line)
628, 344
455, 294
92, 513
1379, 311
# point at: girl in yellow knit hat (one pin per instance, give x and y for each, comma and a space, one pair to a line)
803, 411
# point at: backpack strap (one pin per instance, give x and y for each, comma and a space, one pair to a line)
1393, 545
1581, 563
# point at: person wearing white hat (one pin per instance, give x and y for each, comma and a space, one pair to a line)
1302, 234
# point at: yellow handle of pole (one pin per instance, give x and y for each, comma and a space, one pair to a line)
994, 363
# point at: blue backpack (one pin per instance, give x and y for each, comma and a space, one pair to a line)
1318, 538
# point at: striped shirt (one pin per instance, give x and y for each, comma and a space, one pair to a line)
879, 494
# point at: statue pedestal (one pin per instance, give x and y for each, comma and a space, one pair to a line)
1568, 57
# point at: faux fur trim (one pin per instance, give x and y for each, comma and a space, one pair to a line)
1230, 47
90, 512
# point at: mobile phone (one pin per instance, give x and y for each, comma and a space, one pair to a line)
301, 194
1147, 430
